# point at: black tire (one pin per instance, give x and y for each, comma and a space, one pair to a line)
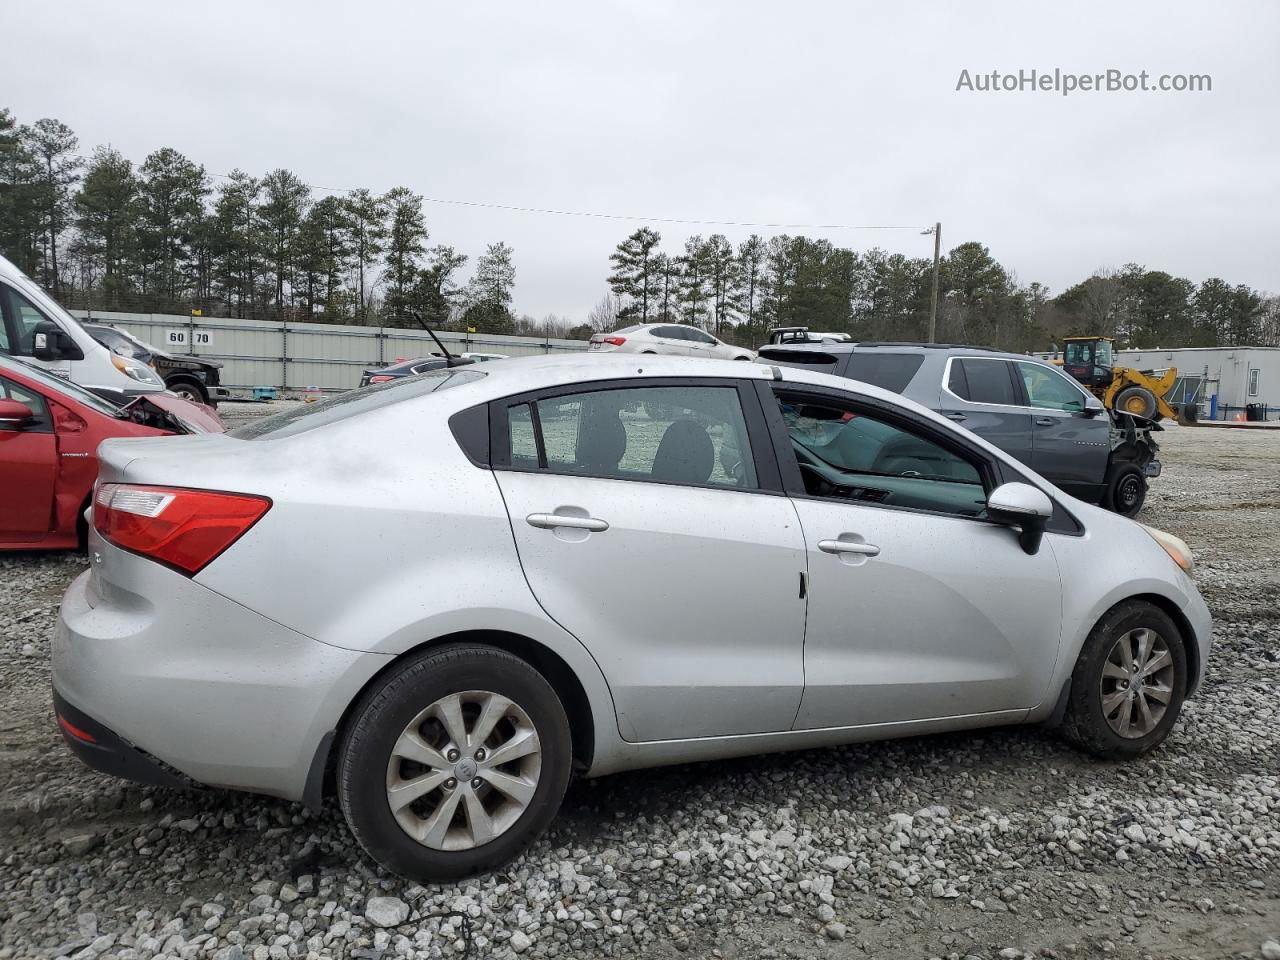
1126, 489
1138, 401
1084, 724
391, 704
188, 389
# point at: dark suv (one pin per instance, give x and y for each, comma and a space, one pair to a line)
1023, 405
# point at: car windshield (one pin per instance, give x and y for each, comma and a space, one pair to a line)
353, 403
64, 387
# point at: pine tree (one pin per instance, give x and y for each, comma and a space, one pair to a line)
172, 190
435, 295
490, 291
108, 207
19, 197
406, 237
367, 220
722, 280
634, 273
751, 255
285, 199
238, 241
53, 144
693, 281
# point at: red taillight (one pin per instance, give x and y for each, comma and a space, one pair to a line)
615, 341
185, 529
73, 731
380, 379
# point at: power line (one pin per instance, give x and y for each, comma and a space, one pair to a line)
591, 214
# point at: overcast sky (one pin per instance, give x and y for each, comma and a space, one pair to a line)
832, 113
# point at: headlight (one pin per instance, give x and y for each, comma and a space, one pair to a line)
1174, 547
134, 370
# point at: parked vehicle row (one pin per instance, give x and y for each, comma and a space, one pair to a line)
190, 377
535, 585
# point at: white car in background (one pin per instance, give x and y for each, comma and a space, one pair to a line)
672, 339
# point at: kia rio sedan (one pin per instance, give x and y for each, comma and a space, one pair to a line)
440, 643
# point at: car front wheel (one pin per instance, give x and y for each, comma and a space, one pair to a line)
1129, 683
454, 763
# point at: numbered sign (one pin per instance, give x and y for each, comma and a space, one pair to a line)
181, 338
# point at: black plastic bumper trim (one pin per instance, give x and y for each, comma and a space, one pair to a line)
112, 754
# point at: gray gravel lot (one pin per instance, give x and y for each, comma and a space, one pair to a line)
1001, 844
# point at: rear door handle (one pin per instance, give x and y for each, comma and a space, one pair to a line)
1045, 422
849, 546
957, 417
549, 521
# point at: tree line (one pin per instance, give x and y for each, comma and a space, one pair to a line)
740, 292
167, 236
162, 237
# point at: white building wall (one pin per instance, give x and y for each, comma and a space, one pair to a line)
1229, 370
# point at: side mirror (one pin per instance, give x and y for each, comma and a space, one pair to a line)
49, 342
1023, 506
15, 415
1093, 406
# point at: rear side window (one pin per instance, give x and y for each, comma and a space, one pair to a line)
982, 381
695, 436
889, 371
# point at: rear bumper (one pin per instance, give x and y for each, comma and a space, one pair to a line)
170, 670
103, 750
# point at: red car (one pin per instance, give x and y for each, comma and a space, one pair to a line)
49, 435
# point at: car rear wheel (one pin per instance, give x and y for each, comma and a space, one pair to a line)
1126, 489
454, 763
1129, 683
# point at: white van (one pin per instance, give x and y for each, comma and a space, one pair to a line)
34, 328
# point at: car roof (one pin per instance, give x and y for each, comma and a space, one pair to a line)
897, 346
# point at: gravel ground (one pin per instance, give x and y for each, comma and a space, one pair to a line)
998, 844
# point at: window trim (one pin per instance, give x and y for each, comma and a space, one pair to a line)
768, 475
1014, 380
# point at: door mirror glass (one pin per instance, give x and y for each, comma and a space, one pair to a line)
14, 414
1024, 506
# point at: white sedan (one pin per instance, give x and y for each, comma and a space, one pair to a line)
672, 339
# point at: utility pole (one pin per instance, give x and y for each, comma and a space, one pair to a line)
933, 301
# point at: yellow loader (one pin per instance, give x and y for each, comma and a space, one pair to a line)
1090, 360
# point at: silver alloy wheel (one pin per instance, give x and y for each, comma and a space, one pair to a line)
1137, 683
464, 770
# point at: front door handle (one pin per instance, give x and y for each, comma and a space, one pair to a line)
957, 417
549, 521
1045, 422
849, 546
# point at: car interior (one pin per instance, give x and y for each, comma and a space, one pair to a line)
844, 454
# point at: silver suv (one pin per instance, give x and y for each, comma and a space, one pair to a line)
1023, 405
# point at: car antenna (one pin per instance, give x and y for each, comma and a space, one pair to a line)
449, 359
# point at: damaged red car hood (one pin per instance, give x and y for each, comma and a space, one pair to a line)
191, 417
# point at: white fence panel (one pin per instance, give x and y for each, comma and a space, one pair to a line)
296, 357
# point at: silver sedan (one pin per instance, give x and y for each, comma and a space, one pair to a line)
438, 638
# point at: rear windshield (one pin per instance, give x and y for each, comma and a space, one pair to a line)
352, 403
889, 371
